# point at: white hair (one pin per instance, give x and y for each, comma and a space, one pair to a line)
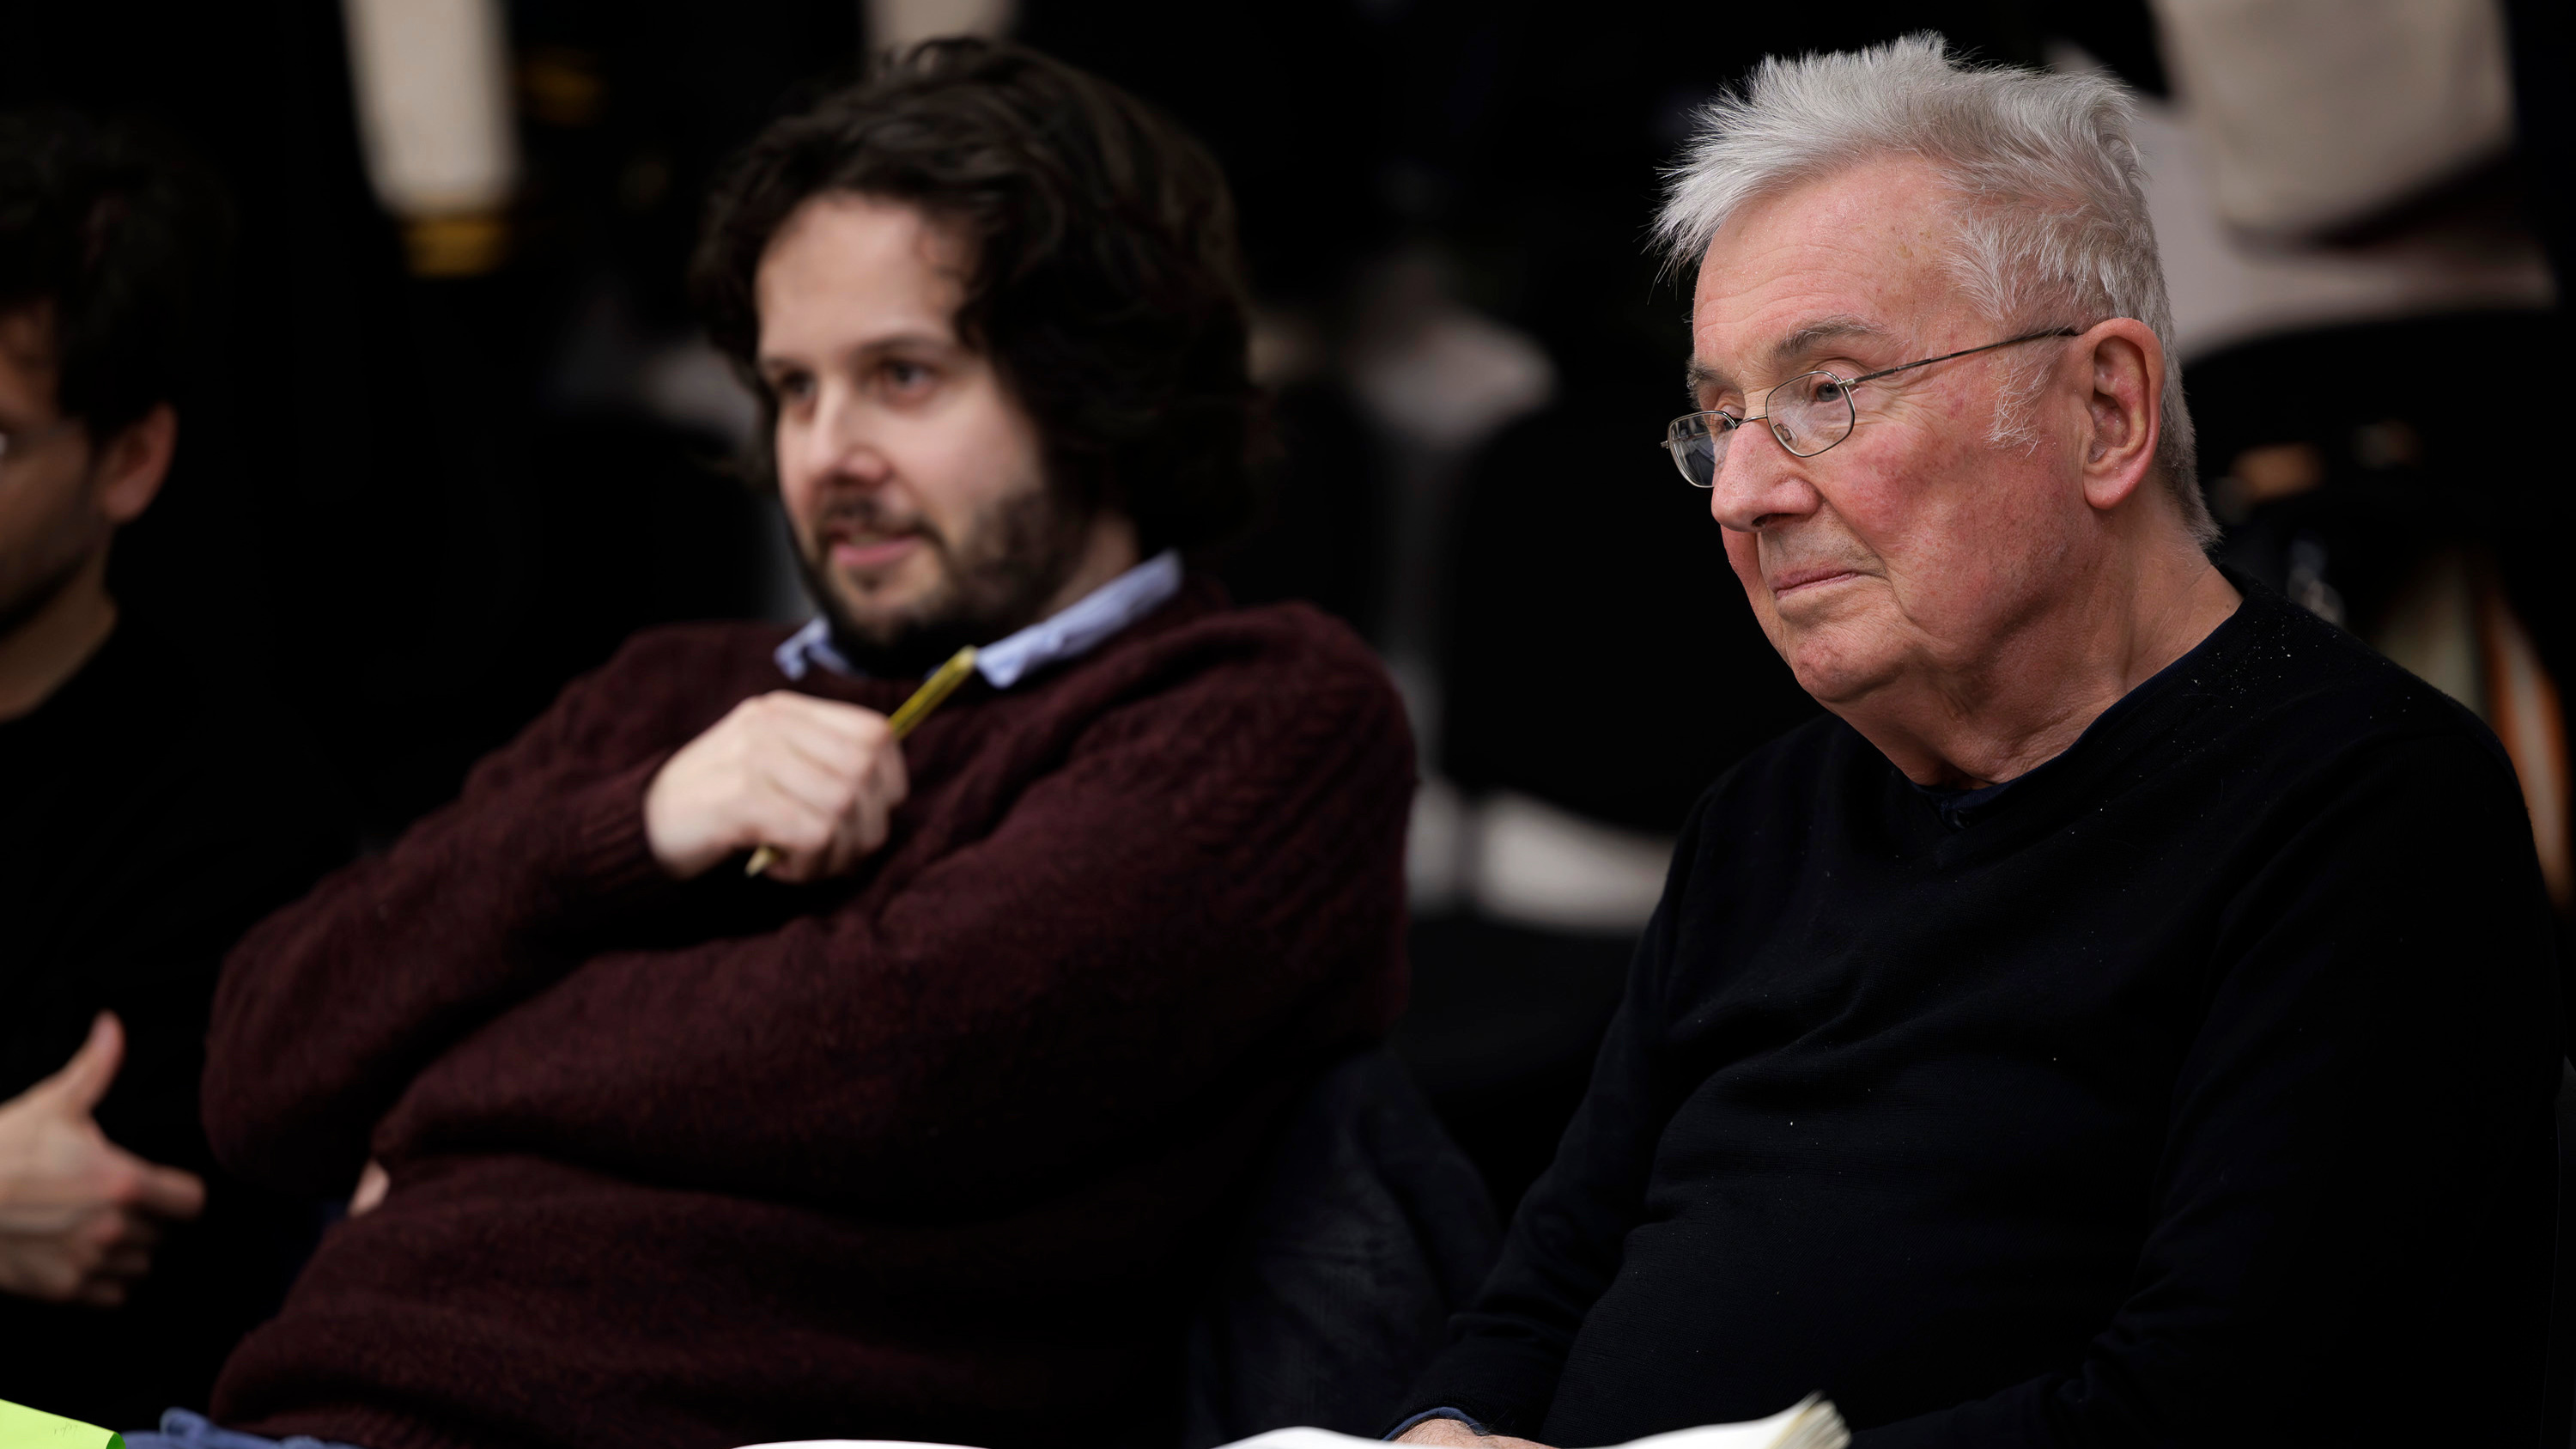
2052, 220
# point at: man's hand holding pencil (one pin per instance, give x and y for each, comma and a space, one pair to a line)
813, 780
805, 784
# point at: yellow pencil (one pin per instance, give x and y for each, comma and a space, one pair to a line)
935, 690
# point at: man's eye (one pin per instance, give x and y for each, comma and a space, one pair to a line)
794, 387
904, 376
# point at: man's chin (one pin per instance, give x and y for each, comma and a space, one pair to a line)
879, 616
901, 640
1839, 663
901, 587
883, 606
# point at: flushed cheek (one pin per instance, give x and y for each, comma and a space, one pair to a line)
1953, 556
1914, 555
948, 491
952, 462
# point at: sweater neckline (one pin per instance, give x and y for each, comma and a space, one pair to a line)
1960, 809
1998, 814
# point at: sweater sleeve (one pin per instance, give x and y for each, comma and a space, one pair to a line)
1565, 1242
1209, 866
2375, 1067
326, 1010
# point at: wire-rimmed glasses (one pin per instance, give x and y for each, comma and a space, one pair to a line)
1807, 414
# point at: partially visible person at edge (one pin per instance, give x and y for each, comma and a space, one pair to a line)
149, 813
2130, 1017
927, 1131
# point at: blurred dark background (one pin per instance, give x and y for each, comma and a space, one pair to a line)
418, 491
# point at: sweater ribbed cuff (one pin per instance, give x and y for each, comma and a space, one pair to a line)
1497, 1385
595, 853
1426, 1416
353, 1428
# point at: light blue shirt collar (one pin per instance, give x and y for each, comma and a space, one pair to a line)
1069, 633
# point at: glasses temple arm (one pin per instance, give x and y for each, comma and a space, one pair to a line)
1965, 351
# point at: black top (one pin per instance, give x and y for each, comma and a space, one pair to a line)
2196, 1092
147, 819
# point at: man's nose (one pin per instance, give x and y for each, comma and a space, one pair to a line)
845, 441
1760, 484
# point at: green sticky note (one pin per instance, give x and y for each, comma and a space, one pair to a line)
25, 1428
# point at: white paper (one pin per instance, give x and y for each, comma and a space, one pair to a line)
1812, 1424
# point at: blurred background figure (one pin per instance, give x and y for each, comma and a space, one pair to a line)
2365, 303
464, 442
150, 811
468, 440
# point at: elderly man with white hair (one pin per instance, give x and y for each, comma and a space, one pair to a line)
2131, 1015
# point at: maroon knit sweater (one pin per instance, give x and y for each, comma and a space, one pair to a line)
932, 1151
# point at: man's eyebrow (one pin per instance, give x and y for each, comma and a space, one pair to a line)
1795, 347
1808, 339
1699, 375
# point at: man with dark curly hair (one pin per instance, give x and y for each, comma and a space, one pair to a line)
925, 1129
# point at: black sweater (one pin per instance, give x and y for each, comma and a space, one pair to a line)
2194, 1090
148, 816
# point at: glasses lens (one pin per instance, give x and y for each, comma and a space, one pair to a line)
1811, 413
1697, 448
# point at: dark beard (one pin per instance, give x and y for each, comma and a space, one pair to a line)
1012, 561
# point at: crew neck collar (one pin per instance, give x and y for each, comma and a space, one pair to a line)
1959, 809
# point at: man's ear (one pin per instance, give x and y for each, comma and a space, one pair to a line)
129, 470
2123, 371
